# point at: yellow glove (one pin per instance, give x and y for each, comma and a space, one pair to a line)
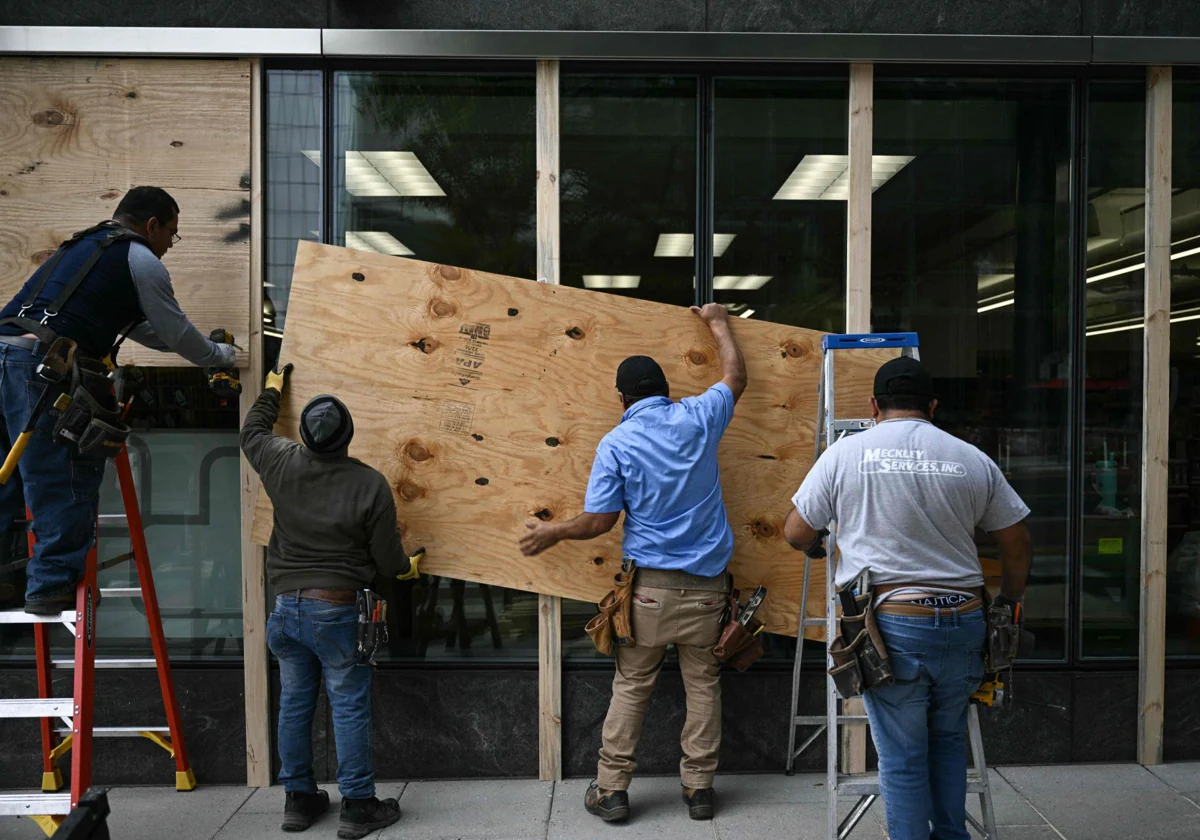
413, 572
278, 378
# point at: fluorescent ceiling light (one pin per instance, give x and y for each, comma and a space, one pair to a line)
998, 305
1189, 314
611, 281
986, 281
740, 283
827, 177
378, 241
388, 174
1139, 266
747, 313
682, 244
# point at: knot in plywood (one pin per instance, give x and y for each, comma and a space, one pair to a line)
766, 530
52, 117
442, 308
418, 452
792, 349
426, 345
409, 490
449, 272
697, 357
575, 333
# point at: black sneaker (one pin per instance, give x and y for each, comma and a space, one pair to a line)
608, 805
52, 603
362, 816
300, 810
699, 802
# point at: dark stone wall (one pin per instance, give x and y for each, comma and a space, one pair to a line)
979, 17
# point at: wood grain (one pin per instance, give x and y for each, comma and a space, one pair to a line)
479, 435
1155, 404
77, 133
254, 596
549, 606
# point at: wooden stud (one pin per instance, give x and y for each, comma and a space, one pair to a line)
858, 206
254, 614
858, 299
1155, 390
549, 607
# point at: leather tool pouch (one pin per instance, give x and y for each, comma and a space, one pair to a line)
612, 625
861, 663
372, 624
737, 645
1005, 639
91, 423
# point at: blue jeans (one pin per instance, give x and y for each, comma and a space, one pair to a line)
919, 722
60, 487
310, 637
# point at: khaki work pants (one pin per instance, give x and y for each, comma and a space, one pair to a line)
691, 620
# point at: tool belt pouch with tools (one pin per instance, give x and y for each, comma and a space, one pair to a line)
738, 644
612, 625
1006, 639
91, 423
372, 624
859, 656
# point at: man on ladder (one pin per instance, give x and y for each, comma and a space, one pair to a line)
103, 284
906, 499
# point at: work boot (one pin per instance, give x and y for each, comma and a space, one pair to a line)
362, 816
608, 805
52, 603
699, 802
302, 809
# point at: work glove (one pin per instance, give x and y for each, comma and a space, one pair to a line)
413, 572
817, 550
277, 379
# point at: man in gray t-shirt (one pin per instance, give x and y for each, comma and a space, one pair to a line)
906, 498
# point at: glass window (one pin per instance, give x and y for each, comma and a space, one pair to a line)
1183, 499
780, 200
970, 249
441, 167
628, 188
185, 460
293, 188
1112, 431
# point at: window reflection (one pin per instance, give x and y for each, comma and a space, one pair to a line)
970, 249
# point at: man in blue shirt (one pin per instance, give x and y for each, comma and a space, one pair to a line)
660, 467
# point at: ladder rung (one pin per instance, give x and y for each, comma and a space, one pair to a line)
35, 804
106, 664
18, 616
121, 592
819, 720
37, 707
120, 731
868, 784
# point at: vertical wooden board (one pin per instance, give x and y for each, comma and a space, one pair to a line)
77, 133
858, 204
482, 399
254, 599
1155, 403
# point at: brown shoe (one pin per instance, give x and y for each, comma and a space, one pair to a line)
608, 805
699, 802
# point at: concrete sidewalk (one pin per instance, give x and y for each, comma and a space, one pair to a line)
1077, 802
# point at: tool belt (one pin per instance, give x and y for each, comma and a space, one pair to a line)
612, 625
91, 422
739, 643
858, 655
1005, 640
372, 624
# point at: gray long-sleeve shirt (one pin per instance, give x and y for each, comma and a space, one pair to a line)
335, 517
166, 328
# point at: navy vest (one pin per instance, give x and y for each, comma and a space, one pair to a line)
103, 306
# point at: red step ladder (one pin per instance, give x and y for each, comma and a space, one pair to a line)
49, 808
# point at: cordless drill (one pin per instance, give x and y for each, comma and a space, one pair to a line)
223, 382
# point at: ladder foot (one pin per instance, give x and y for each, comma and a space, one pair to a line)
48, 825
185, 779
52, 782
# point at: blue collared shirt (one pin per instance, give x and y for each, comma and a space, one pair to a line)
660, 466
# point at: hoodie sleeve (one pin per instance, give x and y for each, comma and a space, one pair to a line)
383, 533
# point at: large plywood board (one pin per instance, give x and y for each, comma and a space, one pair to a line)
77, 133
482, 399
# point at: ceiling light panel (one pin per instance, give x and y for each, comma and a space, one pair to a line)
739, 282
378, 241
682, 244
388, 174
611, 281
827, 177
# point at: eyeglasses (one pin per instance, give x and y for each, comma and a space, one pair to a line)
175, 237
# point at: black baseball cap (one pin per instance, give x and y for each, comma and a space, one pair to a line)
326, 425
640, 376
904, 376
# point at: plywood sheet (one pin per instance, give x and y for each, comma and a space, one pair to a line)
76, 133
482, 399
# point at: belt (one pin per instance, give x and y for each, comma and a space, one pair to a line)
338, 597
676, 579
920, 610
30, 344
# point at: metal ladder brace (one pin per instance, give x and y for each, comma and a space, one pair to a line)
865, 787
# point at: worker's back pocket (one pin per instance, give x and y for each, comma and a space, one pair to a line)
336, 642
